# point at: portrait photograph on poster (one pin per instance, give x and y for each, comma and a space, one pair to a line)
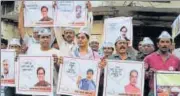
78, 77
42, 10
118, 27
8, 67
71, 13
37, 70
122, 80
167, 83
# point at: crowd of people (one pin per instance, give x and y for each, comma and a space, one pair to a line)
82, 45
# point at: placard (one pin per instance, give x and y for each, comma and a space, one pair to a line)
8, 67
35, 75
78, 77
124, 78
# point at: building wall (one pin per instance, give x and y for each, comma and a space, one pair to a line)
9, 30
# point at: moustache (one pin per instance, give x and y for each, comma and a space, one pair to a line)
122, 47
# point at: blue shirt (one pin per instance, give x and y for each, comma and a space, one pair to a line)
88, 85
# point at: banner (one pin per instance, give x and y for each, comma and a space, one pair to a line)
38, 14
167, 83
35, 75
8, 67
71, 13
78, 77
122, 80
176, 27
119, 26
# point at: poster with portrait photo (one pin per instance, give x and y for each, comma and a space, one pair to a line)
8, 67
78, 77
167, 83
38, 14
122, 80
38, 72
71, 13
118, 26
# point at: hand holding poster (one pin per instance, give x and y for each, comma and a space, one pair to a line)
38, 14
78, 77
8, 67
35, 75
119, 26
71, 13
167, 83
122, 80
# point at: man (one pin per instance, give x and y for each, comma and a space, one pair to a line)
131, 88
140, 47
94, 44
33, 42
161, 60
107, 52
78, 11
44, 12
46, 50
4, 43
87, 83
123, 32
108, 49
41, 78
147, 48
67, 41
121, 46
5, 69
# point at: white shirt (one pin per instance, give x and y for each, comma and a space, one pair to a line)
176, 52
65, 48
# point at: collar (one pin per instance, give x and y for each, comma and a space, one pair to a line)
119, 57
159, 53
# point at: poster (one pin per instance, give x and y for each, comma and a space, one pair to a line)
175, 27
167, 83
8, 67
78, 77
119, 26
38, 14
38, 72
122, 80
71, 13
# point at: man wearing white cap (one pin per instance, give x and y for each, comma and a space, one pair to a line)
161, 60
108, 49
147, 48
94, 44
66, 41
46, 50
32, 42
121, 46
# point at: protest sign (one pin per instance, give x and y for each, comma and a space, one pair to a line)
71, 13
122, 80
8, 67
78, 77
119, 26
38, 14
167, 83
35, 75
